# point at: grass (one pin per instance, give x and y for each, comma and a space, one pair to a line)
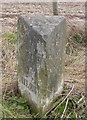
75, 42
11, 37
15, 107
80, 38
18, 107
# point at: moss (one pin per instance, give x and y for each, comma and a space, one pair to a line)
43, 77
43, 74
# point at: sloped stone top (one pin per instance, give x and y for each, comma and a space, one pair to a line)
44, 25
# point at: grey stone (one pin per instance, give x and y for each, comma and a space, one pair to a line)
41, 47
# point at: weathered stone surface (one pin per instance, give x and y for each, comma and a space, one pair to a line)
41, 46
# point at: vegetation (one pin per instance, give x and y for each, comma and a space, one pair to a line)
75, 43
65, 106
15, 107
11, 37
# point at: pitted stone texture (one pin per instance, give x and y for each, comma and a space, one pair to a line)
41, 46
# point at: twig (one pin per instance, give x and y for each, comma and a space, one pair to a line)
68, 115
76, 115
36, 115
65, 98
52, 108
80, 99
57, 104
65, 108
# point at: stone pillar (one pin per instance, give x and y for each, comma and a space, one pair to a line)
41, 47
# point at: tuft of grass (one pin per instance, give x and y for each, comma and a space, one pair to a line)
11, 37
75, 42
15, 107
80, 38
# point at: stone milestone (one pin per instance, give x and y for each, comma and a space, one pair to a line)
41, 48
